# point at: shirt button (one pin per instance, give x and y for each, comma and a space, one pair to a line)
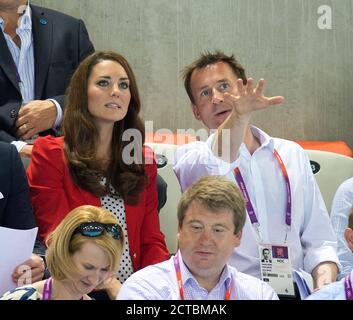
13, 113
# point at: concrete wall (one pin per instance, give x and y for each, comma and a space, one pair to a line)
278, 40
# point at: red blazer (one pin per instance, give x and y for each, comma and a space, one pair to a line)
54, 195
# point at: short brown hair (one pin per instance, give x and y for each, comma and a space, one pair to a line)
209, 58
215, 193
62, 243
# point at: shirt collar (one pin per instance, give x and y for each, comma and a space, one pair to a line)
265, 141
264, 138
25, 20
187, 277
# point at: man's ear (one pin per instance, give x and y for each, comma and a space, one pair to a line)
237, 238
196, 112
348, 235
178, 234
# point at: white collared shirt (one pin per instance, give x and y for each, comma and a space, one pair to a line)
159, 282
311, 238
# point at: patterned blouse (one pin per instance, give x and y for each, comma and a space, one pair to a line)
21, 293
115, 204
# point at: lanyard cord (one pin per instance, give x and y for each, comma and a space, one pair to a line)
249, 206
348, 287
180, 281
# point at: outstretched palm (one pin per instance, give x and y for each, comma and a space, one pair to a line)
246, 99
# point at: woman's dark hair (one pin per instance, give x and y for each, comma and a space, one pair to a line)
81, 136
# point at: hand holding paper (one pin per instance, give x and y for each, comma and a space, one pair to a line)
18, 248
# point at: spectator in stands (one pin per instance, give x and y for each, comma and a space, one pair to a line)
39, 50
84, 251
211, 216
90, 164
36, 61
15, 206
284, 203
342, 205
340, 290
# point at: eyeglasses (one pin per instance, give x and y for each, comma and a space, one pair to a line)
95, 229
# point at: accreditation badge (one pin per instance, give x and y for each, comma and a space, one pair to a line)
276, 268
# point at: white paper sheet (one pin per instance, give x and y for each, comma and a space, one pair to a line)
16, 246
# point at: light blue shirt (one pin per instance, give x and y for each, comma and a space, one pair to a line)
341, 207
159, 282
333, 291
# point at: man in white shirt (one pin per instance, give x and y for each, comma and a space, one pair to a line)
211, 216
39, 50
283, 201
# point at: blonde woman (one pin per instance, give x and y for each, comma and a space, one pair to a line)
83, 252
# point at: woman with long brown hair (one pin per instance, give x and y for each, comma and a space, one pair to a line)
93, 164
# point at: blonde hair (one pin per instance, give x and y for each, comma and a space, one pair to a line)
215, 193
63, 243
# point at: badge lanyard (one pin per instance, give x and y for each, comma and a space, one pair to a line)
249, 206
180, 281
348, 287
48, 285
47, 289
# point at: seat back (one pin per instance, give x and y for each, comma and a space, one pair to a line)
330, 170
340, 147
168, 214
